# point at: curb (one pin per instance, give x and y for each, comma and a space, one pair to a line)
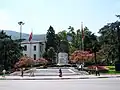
58, 78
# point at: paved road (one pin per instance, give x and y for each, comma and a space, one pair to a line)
81, 84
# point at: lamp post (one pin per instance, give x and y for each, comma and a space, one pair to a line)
21, 23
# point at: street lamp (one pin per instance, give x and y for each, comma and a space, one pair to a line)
21, 23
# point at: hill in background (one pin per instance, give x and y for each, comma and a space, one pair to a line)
16, 35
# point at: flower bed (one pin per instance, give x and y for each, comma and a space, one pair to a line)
100, 68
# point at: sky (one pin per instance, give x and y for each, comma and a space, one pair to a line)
38, 15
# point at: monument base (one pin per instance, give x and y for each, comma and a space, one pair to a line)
63, 65
62, 59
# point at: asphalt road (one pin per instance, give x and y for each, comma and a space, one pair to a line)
81, 84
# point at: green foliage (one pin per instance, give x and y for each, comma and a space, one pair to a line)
76, 39
51, 38
51, 55
111, 67
62, 35
10, 51
106, 47
112, 70
63, 44
71, 48
45, 55
109, 42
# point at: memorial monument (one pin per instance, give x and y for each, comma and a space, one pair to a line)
63, 53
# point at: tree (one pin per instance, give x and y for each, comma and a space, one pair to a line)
79, 56
89, 38
95, 49
78, 39
90, 41
67, 40
24, 61
45, 55
109, 41
74, 39
62, 35
63, 41
64, 47
71, 41
57, 42
51, 55
72, 34
51, 38
10, 51
41, 61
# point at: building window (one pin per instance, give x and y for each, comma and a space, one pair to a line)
25, 47
34, 48
34, 56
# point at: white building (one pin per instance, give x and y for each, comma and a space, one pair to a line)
33, 49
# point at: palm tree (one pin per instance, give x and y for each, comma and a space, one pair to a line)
62, 35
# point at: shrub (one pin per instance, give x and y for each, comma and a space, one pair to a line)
41, 61
100, 68
111, 67
24, 62
81, 56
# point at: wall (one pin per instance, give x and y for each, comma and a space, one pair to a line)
40, 48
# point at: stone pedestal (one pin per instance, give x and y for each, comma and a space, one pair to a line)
62, 58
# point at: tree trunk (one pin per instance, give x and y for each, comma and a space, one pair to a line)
95, 58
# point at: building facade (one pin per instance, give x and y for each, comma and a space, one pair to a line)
33, 49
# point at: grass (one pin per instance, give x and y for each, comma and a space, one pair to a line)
112, 70
110, 67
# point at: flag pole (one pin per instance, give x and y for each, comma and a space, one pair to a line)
30, 38
30, 47
82, 30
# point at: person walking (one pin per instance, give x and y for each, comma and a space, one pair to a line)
80, 67
30, 72
60, 72
22, 72
97, 71
4, 71
34, 69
